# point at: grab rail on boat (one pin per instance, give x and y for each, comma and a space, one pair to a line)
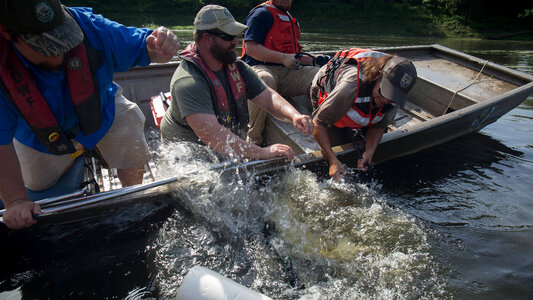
54, 205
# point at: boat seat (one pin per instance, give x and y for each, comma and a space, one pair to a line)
67, 183
409, 115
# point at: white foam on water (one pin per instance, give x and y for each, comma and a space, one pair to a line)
325, 240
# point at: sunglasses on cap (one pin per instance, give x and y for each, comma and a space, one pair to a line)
222, 35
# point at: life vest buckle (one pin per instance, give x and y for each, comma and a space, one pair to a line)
54, 136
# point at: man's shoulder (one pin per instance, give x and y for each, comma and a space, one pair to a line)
244, 68
259, 14
349, 72
94, 26
241, 64
83, 15
260, 9
187, 68
186, 76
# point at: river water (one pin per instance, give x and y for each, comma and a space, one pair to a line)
451, 222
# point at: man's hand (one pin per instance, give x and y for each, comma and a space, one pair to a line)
277, 150
336, 170
20, 213
373, 136
364, 162
303, 123
162, 45
291, 62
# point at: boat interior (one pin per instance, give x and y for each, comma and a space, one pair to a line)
448, 81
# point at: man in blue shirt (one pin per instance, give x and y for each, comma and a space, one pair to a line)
57, 96
271, 46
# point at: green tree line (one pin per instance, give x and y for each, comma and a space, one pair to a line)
402, 17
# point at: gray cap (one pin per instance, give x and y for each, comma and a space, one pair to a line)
217, 17
399, 76
45, 25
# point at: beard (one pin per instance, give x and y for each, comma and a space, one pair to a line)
224, 55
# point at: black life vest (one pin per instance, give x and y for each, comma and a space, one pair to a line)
20, 88
231, 114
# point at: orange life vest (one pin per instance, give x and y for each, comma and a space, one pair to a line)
21, 89
362, 113
232, 114
284, 34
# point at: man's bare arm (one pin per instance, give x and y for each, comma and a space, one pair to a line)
19, 209
262, 53
222, 140
277, 106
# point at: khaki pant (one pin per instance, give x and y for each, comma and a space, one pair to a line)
288, 83
123, 147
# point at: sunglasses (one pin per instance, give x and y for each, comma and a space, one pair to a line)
222, 35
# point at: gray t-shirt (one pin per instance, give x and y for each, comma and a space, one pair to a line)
191, 94
341, 98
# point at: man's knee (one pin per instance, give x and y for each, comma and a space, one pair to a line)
40, 171
270, 81
267, 77
124, 145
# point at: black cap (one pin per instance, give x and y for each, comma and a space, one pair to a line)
45, 25
399, 76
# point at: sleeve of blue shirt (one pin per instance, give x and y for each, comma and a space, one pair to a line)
259, 22
123, 47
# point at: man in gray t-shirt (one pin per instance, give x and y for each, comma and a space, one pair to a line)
191, 94
209, 91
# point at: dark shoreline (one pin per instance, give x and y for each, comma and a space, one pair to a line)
395, 19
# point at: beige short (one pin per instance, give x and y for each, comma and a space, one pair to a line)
287, 83
123, 147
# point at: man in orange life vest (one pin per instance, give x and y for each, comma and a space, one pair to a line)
270, 45
358, 88
209, 92
57, 96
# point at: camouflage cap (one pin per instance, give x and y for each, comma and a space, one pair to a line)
45, 25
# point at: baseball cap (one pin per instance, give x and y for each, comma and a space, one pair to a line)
399, 76
217, 17
45, 25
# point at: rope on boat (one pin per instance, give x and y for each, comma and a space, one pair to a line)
467, 86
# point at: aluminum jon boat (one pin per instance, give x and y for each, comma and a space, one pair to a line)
455, 94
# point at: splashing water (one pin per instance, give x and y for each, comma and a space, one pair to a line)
293, 236
347, 242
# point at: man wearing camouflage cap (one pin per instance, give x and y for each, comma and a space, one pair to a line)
57, 96
209, 92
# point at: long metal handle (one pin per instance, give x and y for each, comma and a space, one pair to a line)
50, 206
50, 200
100, 197
78, 202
